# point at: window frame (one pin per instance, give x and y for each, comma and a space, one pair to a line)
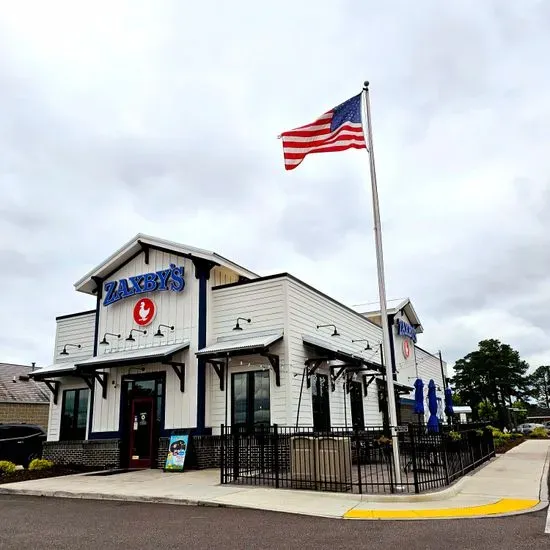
356, 393
249, 424
73, 432
320, 416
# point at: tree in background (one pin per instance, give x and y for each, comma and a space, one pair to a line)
494, 374
486, 412
540, 386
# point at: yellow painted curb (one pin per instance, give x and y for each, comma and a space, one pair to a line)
502, 506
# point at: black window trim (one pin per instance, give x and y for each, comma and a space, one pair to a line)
249, 397
73, 434
324, 414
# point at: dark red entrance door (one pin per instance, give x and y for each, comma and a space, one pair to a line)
141, 432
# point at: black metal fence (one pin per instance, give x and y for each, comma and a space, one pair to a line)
343, 460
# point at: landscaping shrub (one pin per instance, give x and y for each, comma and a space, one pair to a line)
7, 467
40, 464
539, 433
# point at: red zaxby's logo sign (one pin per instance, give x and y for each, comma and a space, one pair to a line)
144, 311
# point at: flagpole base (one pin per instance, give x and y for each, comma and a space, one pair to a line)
399, 489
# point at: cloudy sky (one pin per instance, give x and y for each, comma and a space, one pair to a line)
162, 118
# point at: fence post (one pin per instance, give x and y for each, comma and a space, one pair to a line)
445, 458
276, 445
358, 455
236, 452
413, 459
222, 455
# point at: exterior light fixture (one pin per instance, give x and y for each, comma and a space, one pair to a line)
131, 337
368, 344
160, 334
237, 326
65, 352
335, 333
104, 342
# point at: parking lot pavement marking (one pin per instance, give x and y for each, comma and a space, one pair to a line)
502, 506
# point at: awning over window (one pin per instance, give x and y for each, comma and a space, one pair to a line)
401, 389
57, 369
252, 344
132, 357
334, 352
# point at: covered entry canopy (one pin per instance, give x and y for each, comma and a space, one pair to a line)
132, 357
349, 360
254, 344
87, 369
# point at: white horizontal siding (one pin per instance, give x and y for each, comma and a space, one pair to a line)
54, 420
264, 303
78, 329
307, 309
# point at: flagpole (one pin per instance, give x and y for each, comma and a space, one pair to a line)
367, 130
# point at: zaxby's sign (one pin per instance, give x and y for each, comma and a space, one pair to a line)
167, 279
404, 329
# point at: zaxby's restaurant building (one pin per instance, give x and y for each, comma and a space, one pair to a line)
182, 340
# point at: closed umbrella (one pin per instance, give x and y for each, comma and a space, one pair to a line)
418, 396
433, 421
449, 402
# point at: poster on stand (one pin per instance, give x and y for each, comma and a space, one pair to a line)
177, 450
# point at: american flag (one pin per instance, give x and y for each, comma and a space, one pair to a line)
336, 130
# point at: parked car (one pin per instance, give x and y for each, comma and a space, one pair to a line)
21, 443
527, 428
547, 424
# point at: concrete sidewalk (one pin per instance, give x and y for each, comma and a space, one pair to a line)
515, 482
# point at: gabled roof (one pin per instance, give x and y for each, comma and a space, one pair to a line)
16, 387
139, 242
395, 306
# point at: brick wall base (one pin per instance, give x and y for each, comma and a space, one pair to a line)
100, 453
203, 452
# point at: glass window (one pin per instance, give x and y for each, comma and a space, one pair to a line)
251, 399
74, 414
356, 399
320, 402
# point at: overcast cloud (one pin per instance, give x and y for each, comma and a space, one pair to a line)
162, 118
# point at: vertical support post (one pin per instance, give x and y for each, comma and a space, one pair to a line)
413, 459
222, 455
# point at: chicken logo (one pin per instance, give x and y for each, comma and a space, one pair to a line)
144, 311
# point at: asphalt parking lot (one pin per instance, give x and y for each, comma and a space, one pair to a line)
34, 522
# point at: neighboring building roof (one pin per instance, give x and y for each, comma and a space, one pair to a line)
139, 242
396, 305
17, 387
457, 409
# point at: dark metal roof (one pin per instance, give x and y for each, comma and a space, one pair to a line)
14, 389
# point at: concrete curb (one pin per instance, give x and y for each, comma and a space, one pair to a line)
441, 495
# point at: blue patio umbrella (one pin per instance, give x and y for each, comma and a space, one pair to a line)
433, 421
449, 402
418, 396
